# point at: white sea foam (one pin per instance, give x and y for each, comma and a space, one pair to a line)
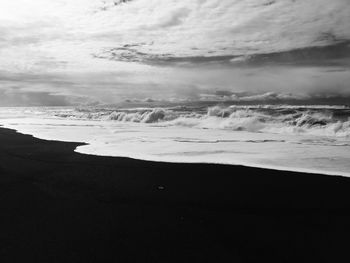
313, 139
310, 120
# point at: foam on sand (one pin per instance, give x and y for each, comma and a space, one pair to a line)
287, 138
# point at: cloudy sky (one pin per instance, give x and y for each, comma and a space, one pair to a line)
63, 52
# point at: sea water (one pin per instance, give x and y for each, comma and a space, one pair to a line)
298, 138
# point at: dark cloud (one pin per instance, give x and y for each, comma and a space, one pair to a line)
337, 54
107, 5
253, 98
26, 98
128, 53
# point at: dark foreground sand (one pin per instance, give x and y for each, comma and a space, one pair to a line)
61, 206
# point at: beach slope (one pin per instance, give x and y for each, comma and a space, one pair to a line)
57, 205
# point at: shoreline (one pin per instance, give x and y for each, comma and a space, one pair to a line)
243, 164
155, 160
61, 206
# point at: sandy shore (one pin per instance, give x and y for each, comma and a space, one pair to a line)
60, 206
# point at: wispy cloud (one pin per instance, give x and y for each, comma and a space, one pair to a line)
172, 29
110, 49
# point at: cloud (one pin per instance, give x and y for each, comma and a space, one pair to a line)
173, 18
331, 55
291, 31
171, 30
210, 30
115, 50
252, 97
247, 98
19, 98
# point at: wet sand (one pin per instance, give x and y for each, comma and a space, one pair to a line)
60, 206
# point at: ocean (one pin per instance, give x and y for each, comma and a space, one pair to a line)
310, 138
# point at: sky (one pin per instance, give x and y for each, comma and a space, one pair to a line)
97, 52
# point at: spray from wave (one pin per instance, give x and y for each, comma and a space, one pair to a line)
311, 120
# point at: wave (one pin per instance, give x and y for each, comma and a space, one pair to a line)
153, 116
281, 137
283, 119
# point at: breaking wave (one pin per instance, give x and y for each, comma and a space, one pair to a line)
313, 120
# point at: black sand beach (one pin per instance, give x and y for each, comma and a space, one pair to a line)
60, 206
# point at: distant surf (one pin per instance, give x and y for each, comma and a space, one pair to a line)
312, 120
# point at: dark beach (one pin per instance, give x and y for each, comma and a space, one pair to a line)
60, 206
